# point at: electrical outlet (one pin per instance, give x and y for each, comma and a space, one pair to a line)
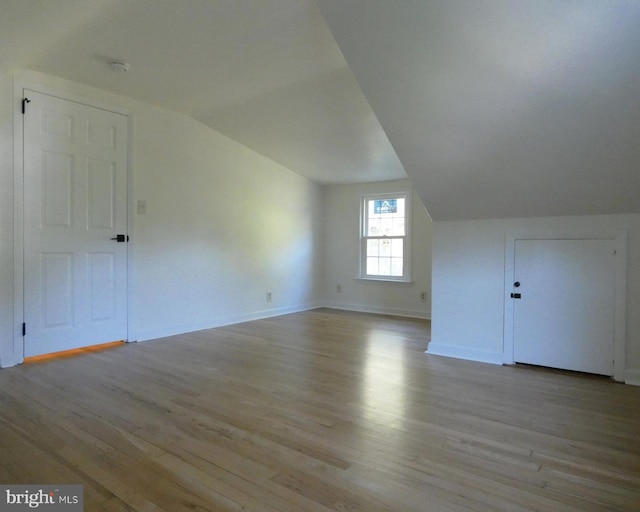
269, 296
142, 207
423, 296
338, 288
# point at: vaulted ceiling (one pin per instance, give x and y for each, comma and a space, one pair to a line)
503, 108
266, 73
494, 108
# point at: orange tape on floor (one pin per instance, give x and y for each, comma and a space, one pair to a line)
73, 352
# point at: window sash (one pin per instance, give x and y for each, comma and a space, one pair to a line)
378, 222
384, 257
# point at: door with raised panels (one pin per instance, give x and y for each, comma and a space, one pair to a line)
75, 185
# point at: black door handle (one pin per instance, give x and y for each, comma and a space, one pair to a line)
121, 238
516, 295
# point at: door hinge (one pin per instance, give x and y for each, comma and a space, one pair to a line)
24, 104
24, 329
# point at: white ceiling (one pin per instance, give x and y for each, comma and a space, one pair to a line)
266, 73
496, 108
503, 108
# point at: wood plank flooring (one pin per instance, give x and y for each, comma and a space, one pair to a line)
318, 411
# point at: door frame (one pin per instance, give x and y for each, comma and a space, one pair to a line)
619, 238
19, 86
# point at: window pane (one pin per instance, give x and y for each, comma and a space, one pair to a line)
385, 247
384, 268
385, 206
372, 248
373, 227
386, 226
397, 247
372, 266
398, 226
396, 267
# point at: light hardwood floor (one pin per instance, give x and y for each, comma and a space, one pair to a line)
318, 411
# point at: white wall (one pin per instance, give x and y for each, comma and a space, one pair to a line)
223, 226
468, 282
341, 255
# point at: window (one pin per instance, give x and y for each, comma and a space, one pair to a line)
385, 238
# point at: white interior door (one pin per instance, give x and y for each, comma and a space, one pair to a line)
565, 316
75, 182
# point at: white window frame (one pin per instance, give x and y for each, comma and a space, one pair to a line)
406, 251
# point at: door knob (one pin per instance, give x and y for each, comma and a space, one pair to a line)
516, 284
121, 238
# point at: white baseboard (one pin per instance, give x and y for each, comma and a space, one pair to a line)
152, 334
632, 377
363, 308
460, 352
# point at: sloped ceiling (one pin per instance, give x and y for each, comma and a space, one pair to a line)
503, 108
494, 108
266, 73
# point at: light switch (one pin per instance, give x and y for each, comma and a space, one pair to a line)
142, 207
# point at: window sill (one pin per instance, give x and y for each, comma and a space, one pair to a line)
384, 279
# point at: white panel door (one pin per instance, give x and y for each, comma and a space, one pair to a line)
565, 316
75, 181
